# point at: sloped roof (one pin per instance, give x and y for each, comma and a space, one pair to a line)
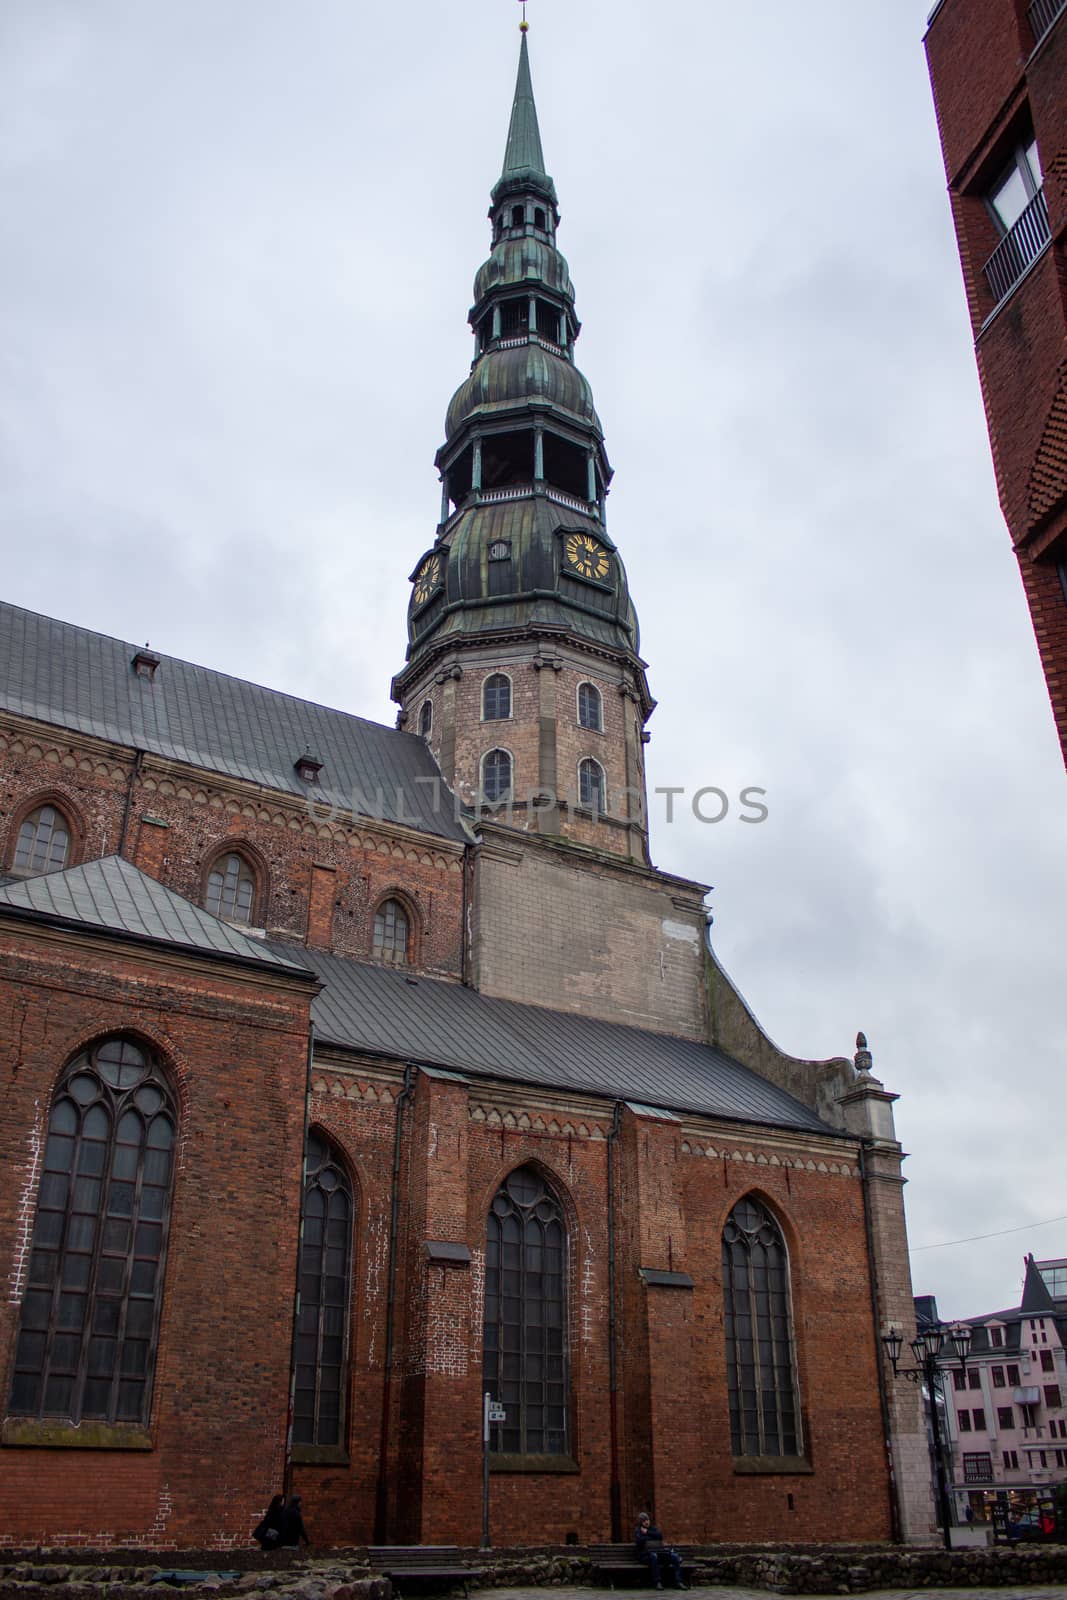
432, 1022
114, 895
85, 681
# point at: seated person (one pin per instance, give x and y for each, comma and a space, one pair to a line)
650, 1548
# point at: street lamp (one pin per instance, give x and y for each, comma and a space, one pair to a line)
932, 1341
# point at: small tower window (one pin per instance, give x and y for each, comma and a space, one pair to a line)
43, 843
514, 316
391, 934
548, 320
540, 220
496, 776
590, 711
426, 718
518, 217
496, 698
591, 786
231, 889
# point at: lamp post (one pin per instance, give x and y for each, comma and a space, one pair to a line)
933, 1341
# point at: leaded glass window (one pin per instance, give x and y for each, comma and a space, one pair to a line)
496, 776
231, 889
43, 844
496, 698
325, 1290
525, 1350
90, 1314
591, 785
760, 1355
391, 930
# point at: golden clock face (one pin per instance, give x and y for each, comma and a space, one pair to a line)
586, 555
427, 579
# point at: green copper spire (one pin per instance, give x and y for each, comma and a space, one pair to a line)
523, 153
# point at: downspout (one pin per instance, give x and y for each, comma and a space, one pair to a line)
287, 1475
883, 1398
613, 1366
134, 775
381, 1496
465, 932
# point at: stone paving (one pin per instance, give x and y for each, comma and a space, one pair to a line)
1055, 1591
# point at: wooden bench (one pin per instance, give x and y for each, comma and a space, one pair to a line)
422, 1563
612, 1562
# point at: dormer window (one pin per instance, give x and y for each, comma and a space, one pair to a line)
145, 663
307, 767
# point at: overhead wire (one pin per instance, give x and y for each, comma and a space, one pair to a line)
973, 1238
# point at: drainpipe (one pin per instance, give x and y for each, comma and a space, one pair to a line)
381, 1497
883, 1398
287, 1475
613, 1371
134, 775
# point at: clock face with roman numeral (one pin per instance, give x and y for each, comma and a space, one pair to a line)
586, 555
427, 579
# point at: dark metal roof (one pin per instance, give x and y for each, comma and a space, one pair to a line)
86, 682
445, 1024
116, 896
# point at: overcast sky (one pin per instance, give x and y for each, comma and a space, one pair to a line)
237, 244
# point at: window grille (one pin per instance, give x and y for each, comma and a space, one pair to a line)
325, 1293
760, 1357
391, 934
231, 889
44, 842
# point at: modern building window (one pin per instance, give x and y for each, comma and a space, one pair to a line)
590, 708
325, 1293
1017, 186
998, 1377
1005, 1417
89, 1321
392, 934
974, 1378
592, 789
979, 1421
1046, 1360
760, 1355
426, 718
231, 889
977, 1467
1052, 1395
1011, 1460
1018, 207
496, 698
43, 844
1013, 1374
959, 1380
496, 776
525, 1361
964, 1420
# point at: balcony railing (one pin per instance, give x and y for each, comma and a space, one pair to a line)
1043, 14
1019, 247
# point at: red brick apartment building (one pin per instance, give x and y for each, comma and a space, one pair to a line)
999, 73
412, 1008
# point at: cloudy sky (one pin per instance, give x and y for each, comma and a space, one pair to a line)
237, 249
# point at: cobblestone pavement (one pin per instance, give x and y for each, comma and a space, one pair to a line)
1051, 1591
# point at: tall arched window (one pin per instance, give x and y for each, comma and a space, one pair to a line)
760, 1355
592, 790
590, 714
496, 776
525, 1332
87, 1334
231, 889
391, 934
325, 1291
496, 698
43, 844
426, 718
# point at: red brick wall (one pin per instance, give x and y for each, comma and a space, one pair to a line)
236, 1047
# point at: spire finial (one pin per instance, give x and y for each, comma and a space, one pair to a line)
524, 26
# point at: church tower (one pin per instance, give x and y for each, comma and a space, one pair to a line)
523, 672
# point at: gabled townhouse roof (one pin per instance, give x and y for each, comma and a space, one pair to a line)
88, 683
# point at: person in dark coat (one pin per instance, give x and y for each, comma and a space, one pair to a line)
269, 1533
650, 1548
293, 1529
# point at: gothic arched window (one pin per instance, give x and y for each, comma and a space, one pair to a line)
90, 1314
426, 718
391, 934
760, 1354
325, 1292
43, 844
496, 698
525, 1363
231, 889
592, 790
496, 776
590, 714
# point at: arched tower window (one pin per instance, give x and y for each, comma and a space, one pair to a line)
496, 776
392, 934
525, 1361
518, 216
592, 789
90, 1315
325, 1294
496, 698
43, 844
426, 718
590, 707
760, 1354
231, 889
